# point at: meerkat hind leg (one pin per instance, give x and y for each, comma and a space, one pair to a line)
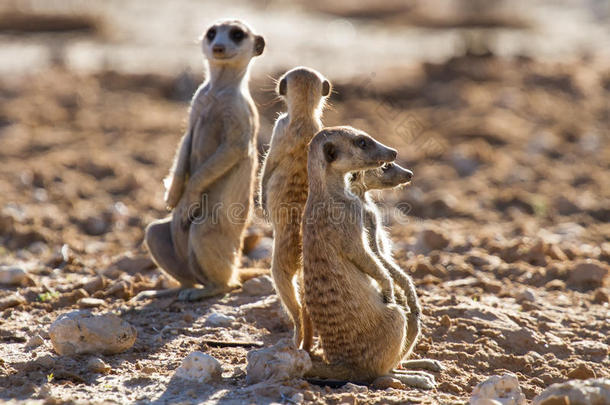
161, 247
154, 294
160, 244
417, 379
283, 270
196, 294
425, 364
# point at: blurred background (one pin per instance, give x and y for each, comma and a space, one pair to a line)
500, 108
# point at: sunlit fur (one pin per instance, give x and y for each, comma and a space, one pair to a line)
362, 331
215, 163
283, 185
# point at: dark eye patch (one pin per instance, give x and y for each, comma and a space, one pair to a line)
361, 143
237, 35
211, 34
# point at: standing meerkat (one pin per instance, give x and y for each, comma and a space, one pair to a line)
391, 175
283, 188
362, 332
211, 182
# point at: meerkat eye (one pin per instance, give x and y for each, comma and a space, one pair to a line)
386, 167
237, 35
211, 34
361, 143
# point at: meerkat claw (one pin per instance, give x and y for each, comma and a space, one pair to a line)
426, 364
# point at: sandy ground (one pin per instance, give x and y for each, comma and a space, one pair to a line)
505, 228
509, 204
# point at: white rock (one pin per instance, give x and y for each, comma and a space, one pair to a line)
12, 275
297, 398
498, 390
219, 320
34, 342
576, 392
199, 367
89, 302
82, 332
97, 365
11, 301
277, 363
259, 286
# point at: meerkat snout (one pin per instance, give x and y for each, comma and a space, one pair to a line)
231, 40
392, 169
388, 176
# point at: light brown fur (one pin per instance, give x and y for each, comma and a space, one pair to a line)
362, 331
386, 177
283, 188
211, 182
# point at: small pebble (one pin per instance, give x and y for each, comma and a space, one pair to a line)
12, 275
199, 367
89, 302
219, 320
34, 342
526, 295
11, 301
97, 365
259, 286
80, 332
582, 372
187, 317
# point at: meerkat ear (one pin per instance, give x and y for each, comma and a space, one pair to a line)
326, 87
259, 45
282, 87
330, 152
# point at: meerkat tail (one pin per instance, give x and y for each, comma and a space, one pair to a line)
338, 373
249, 273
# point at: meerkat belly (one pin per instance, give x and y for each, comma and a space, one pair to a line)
235, 189
344, 306
204, 144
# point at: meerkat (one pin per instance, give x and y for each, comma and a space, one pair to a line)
391, 175
283, 184
211, 182
362, 331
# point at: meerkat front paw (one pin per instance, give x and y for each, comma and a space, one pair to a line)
388, 296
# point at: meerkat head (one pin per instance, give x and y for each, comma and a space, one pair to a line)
304, 89
389, 175
346, 149
230, 42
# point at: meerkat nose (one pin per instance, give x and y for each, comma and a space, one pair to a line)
409, 174
218, 49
